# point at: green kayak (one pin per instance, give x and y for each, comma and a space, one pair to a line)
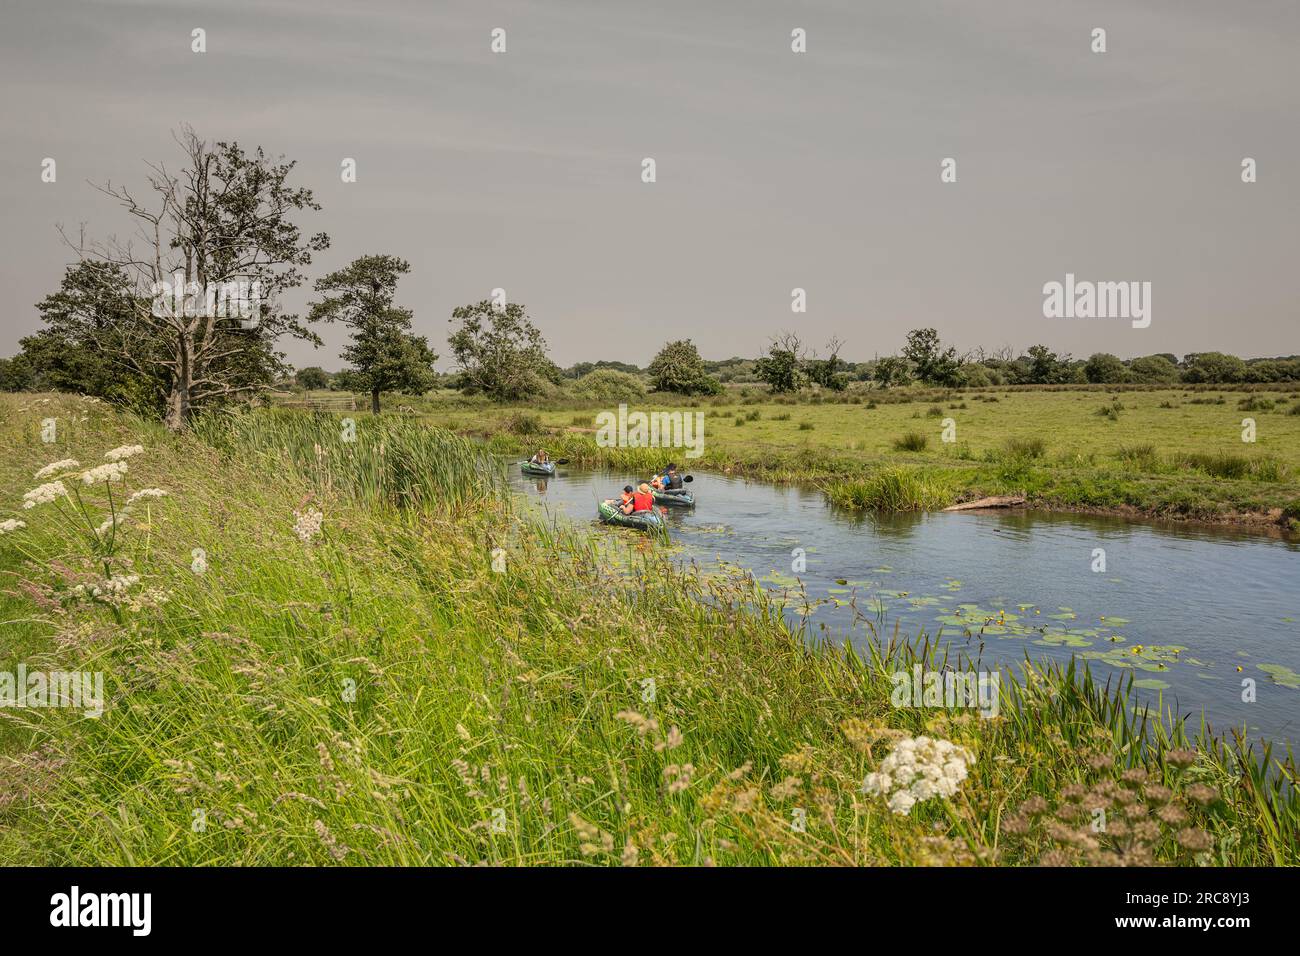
540, 471
641, 520
682, 499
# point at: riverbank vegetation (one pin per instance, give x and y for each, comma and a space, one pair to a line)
317, 650
1175, 453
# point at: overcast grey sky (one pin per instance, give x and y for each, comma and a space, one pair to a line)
775, 170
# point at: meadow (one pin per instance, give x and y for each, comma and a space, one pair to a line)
324, 647
1170, 453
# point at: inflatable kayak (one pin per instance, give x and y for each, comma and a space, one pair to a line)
682, 499
540, 471
642, 520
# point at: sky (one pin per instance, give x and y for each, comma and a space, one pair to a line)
775, 170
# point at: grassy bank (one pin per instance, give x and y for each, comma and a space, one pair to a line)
1170, 453
329, 656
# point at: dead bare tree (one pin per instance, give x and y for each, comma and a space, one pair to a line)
219, 230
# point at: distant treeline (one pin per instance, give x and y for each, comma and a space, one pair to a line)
152, 328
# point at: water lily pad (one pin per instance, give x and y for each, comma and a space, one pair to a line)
1063, 639
1151, 683
1281, 675
1155, 657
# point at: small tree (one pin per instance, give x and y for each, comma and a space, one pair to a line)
1106, 369
782, 367
892, 370
87, 321
1046, 367
313, 378
830, 372
384, 356
499, 351
1214, 368
934, 365
679, 368
1154, 369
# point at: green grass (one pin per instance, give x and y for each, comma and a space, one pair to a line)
381, 695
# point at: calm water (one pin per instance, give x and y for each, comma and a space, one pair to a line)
1194, 604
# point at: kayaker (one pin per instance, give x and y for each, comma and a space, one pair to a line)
643, 499
625, 503
669, 481
540, 458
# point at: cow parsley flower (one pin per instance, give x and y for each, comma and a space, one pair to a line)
146, 493
111, 472
919, 769
44, 494
67, 464
11, 524
111, 523
125, 451
307, 524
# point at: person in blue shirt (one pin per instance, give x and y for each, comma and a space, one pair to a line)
669, 481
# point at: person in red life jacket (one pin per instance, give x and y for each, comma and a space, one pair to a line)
643, 499
625, 502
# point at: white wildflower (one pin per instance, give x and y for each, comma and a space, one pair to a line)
111, 523
113, 471
112, 590
44, 494
919, 769
146, 493
11, 524
125, 451
67, 464
307, 524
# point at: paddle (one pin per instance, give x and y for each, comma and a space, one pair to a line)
553, 461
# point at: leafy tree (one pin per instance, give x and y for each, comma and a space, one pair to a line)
383, 355
16, 374
223, 222
679, 368
1154, 369
933, 364
782, 367
1046, 367
87, 322
830, 372
499, 351
609, 385
313, 378
1214, 368
975, 375
892, 370
1104, 368
1266, 370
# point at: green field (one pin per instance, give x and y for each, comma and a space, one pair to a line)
1173, 453
426, 677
